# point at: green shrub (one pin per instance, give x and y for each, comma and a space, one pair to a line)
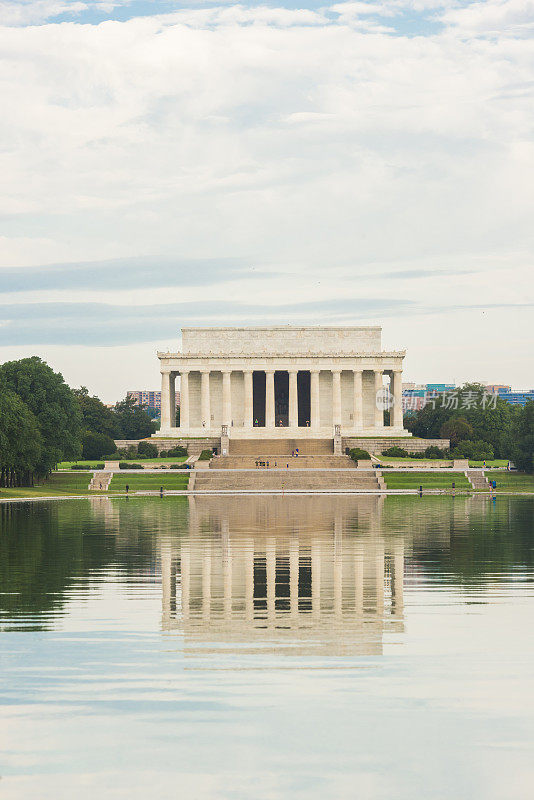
85, 467
434, 452
147, 450
127, 465
395, 452
178, 466
177, 451
96, 445
477, 451
205, 455
357, 454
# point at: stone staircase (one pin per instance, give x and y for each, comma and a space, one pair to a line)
280, 447
288, 480
283, 462
100, 481
477, 479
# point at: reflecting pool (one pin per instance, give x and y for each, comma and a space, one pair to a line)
267, 647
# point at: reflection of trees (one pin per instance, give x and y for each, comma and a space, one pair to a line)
46, 547
466, 539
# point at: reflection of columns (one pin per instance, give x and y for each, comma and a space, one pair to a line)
166, 568
379, 576
249, 579
336, 397
358, 399
379, 412
358, 579
165, 399
397, 583
397, 420
185, 579
184, 401
249, 404
227, 569
316, 577
205, 409
227, 399
338, 564
270, 568
206, 582
315, 421
294, 574
269, 398
293, 400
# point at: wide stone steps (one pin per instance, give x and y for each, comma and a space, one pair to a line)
280, 447
286, 480
100, 481
282, 462
477, 479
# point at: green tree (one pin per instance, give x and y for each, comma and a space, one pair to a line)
53, 404
20, 440
97, 417
456, 429
522, 438
97, 445
132, 420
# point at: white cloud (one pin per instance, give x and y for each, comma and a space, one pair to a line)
283, 136
511, 17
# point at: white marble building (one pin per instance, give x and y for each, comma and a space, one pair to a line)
281, 382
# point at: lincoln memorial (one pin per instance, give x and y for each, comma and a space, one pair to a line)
282, 382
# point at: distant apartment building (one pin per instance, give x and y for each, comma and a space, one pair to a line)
150, 399
517, 397
417, 396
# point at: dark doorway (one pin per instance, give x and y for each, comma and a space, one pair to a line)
303, 388
258, 398
281, 399
260, 583
305, 583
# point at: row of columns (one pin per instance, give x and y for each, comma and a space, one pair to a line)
168, 404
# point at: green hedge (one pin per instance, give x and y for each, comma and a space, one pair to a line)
85, 467
357, 454
127, 465
205, 455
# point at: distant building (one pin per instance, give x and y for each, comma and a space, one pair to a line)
416, 396
152, 400
497, 388
517, 398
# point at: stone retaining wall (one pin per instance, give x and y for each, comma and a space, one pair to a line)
411, 445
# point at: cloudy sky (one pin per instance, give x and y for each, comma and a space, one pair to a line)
167, 163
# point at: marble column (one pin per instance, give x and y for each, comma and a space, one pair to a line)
293, 400
165, 399
205, 408
397, 584
227, 399
379, 412
248, 421
269, 398
315, 407
358, 399
184, 401
336, 397
397, 415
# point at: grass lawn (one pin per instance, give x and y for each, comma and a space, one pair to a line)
428, 480
416, 462
496, 462
512, 481
85, 464
55, 485
142, 482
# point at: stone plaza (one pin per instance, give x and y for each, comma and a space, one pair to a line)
282, 382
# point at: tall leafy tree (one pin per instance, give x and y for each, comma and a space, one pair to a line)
133, 422
522, 438
20, 440
53, 404
97, 417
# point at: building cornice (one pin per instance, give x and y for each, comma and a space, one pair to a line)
274, 356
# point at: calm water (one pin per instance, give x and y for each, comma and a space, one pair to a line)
267, 648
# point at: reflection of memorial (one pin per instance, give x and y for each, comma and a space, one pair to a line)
306, 573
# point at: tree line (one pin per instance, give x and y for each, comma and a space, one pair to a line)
43, 421
478, 425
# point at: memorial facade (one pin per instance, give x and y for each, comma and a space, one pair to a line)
282, 382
